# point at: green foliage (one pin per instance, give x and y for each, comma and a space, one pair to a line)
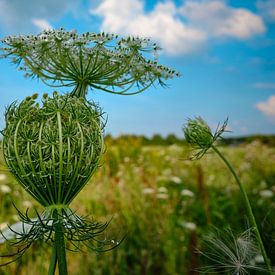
164, 203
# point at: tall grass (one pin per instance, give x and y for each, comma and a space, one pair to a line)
165, 204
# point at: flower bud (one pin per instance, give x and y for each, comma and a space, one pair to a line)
198, 134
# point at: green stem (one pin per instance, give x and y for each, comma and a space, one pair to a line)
53, 262
59, 244
248, 208
80, 90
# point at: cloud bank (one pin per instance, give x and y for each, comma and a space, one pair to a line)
179, 30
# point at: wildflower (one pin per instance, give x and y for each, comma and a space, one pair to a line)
162, 196
162, 189
5, 189
187, 193
98, 61
189, 225
148, 191
266, 194
65, 134
3, 177
175, 180
199, 135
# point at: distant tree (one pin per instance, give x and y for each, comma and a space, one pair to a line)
172, 139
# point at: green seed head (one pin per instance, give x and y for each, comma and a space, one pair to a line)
199, 135
53, 149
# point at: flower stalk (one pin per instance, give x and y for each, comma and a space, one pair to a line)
199, 135
59, 243
249, 210
53, 262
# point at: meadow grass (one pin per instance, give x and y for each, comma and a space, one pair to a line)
164, 203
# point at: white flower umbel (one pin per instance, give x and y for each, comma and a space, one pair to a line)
100, 61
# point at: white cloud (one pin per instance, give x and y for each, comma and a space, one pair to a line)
267, 107
179, 30
16, 16
267, 9
264, 85
221, 20
161, 24
42, 24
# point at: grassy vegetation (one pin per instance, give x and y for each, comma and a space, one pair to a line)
165, 204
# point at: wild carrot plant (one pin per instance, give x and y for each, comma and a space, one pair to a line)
54, 148
199, 135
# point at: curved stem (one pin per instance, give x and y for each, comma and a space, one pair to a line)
59, 243
53, 262
248, 208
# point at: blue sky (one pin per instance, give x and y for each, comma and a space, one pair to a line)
225, 51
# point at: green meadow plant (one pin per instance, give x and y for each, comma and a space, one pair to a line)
200, 137
54, 147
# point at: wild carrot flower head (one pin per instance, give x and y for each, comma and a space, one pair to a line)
96, 60
199, 135
53, 149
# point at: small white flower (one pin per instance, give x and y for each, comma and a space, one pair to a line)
5, 189
162, 196
189, 225
187, 193
3, 177
27, 204
162, 189
176, 180
266, 193
148, 191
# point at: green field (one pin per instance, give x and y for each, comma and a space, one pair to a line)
163, 203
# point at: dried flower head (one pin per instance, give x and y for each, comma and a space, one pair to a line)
230, 254
199, 135
96, 60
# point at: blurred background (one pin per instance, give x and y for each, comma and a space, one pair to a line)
225, 52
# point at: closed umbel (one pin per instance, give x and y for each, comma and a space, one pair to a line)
53, 149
